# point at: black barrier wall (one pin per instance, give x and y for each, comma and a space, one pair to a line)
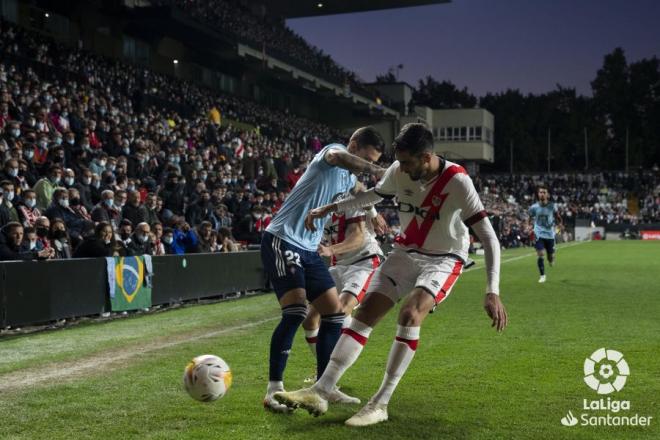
37, 292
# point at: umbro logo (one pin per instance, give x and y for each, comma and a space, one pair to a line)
434, 283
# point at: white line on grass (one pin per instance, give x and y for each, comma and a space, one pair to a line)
520, 257
58, 371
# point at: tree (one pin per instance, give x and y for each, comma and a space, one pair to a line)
442, 95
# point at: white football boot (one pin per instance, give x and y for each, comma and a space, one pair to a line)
306, 398
370, 414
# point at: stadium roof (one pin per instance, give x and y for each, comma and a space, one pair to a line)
308, 8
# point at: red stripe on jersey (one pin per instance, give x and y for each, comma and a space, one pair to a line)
312, 340
416, 234
412, 343
355, 335
475, 218
451, 279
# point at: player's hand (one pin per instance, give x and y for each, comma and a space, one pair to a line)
496, 311
380, 225
325, 251
314, 214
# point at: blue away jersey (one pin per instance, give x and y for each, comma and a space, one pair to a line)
321, 184
544, 219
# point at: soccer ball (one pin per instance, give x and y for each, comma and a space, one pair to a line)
207, 378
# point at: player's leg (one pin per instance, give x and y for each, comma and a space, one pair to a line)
433, 285
550, 249
540, 254
289, 288
383, 294
311, 326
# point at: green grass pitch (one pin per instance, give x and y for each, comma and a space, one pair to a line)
122, 379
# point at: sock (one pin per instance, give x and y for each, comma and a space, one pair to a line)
347, 322
541, 264
275, 386
401, 354
344, 355
551, 257
282, 339
311, 337
329, 333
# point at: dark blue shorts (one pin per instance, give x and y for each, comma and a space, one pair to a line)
290, 267
545, 243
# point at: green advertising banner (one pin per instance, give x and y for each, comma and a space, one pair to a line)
129, 281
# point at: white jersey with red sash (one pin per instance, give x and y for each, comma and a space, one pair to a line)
435, 215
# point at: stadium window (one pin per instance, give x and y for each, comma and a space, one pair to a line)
477, 133
442, 133
456, 133
463, 134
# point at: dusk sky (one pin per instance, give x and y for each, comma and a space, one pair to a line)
490, 45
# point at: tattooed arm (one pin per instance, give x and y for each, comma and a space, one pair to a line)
356, 165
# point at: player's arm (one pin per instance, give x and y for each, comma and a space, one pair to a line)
359, 201
476, 217
353, 241
356, 165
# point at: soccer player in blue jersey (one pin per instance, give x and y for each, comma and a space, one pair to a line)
545, 216
289, 253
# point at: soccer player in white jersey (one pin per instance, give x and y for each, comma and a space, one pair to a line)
437, 203
354, 255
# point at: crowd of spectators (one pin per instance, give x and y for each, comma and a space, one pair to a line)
599, 198
264, 32
88, 170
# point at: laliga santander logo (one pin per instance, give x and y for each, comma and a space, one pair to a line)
606, 371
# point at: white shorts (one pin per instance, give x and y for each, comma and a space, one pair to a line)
354, 278
402, 271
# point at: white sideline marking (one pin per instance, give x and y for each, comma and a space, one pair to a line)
63, 370
520, 257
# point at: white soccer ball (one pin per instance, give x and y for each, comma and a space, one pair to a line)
207, 378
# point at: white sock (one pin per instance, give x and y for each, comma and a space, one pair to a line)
310, 337
275, 386
344, 355
401, 354
347, 322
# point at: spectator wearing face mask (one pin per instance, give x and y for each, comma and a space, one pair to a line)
141, 242
105, 210
125, 232
60, 239
69, 178
134, 210
168, 241
60, 208
9, 198
76, 205
10, 172
27, 209
249, 228
151, 208
97, 166
11, 239
42, 228
84, 187
45, 187
30, 240
30, 172
101, 244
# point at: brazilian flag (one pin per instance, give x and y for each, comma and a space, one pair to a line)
129, 282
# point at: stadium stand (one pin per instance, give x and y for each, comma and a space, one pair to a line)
162, 163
